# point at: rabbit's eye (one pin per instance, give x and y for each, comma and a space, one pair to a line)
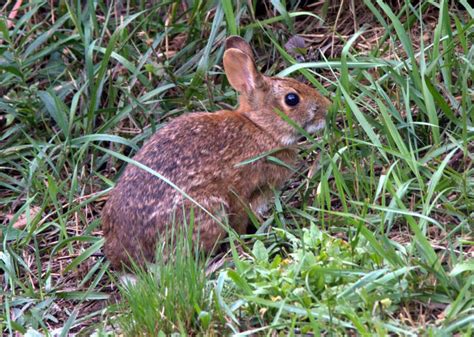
292, 99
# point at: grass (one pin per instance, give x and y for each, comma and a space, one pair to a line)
170, 296
373, 236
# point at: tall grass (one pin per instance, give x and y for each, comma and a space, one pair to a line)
397, 180
172, 295
374, 238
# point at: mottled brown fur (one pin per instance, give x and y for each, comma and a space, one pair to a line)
199, 152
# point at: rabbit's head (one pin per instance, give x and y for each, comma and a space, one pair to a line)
262, 96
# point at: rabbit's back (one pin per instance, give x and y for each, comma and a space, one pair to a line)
201, 153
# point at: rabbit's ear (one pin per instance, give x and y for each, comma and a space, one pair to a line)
238, 43
241, 71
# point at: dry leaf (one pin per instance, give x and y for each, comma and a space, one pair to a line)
296, 47
21, 221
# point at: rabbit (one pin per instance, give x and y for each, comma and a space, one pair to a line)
203, 154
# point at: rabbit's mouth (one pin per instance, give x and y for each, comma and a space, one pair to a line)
311, 128
315, 127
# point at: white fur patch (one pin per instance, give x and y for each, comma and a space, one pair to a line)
289, 140
316, 127
261, 208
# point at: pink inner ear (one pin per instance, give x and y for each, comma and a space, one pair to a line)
240, 70
250, 84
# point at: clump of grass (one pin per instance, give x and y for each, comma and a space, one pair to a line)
172, 295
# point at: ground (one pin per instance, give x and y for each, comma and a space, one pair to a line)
372, 236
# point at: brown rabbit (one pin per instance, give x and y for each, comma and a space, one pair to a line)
200, 153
